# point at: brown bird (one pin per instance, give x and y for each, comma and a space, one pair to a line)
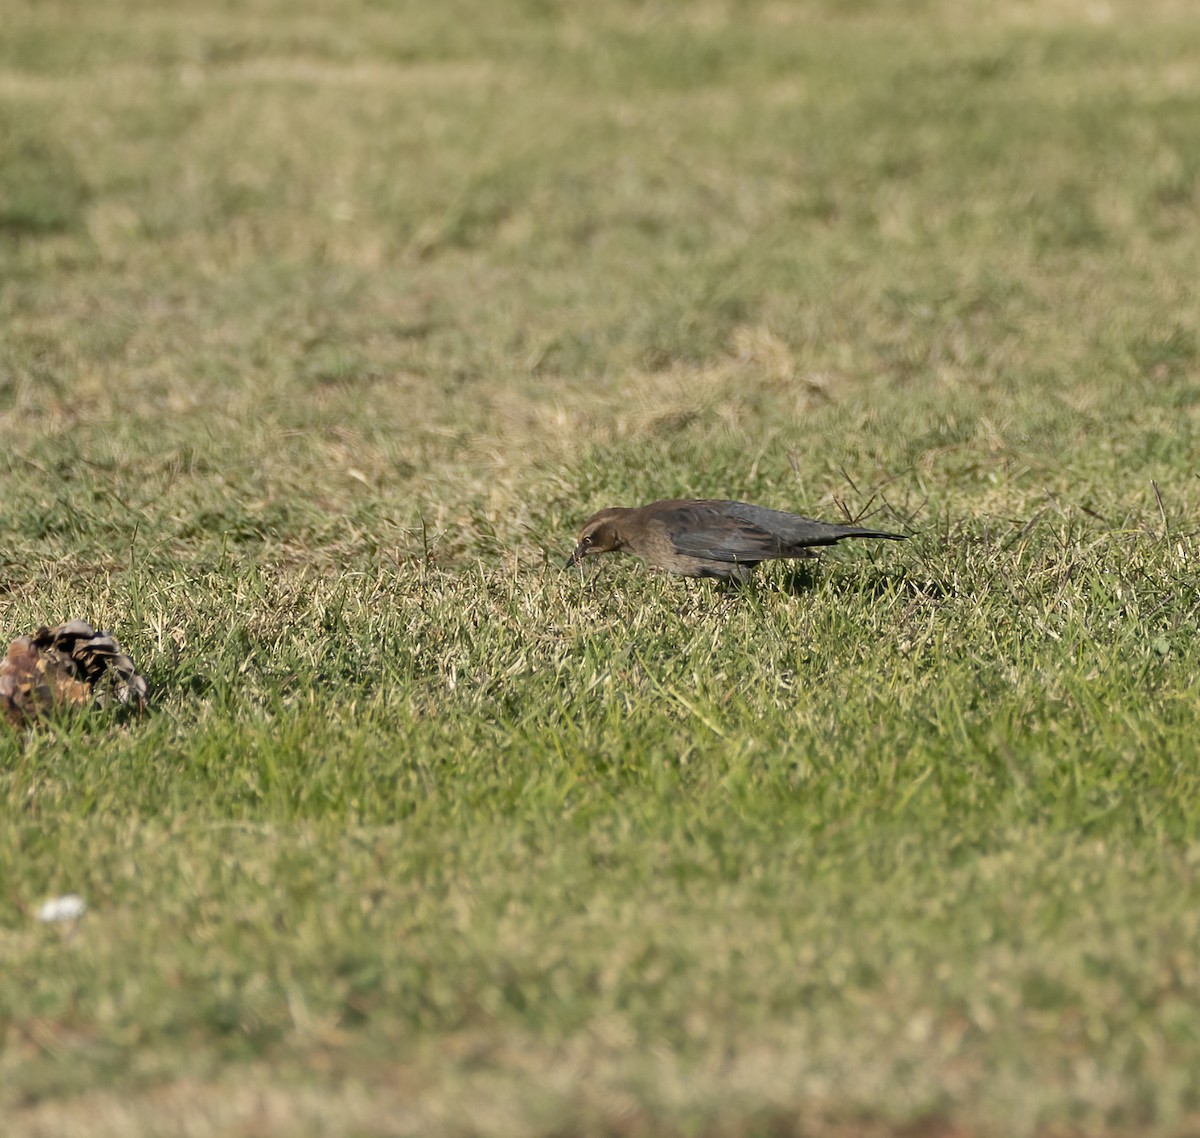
696, 538
72, 665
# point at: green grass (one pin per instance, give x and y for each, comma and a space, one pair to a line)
321, 333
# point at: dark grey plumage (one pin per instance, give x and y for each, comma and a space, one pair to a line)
710, 538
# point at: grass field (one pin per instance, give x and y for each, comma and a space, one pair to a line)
322, 329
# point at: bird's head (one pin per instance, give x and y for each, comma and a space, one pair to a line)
599, 535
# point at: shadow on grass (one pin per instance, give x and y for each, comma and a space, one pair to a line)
801, 579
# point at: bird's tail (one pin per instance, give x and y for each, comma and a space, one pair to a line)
854, 531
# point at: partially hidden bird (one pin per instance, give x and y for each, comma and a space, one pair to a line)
69, 666
708, 538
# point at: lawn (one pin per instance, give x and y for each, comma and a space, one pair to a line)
324, 327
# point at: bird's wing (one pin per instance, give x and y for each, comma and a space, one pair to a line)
795, 532
738, 531
710, 531
98, 658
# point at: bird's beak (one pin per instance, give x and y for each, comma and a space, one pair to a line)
576, 557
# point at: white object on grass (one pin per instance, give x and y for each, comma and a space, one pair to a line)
68, 907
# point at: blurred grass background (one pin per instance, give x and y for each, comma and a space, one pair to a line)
321, 331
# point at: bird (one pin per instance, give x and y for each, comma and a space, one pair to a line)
68, 666
693, 537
